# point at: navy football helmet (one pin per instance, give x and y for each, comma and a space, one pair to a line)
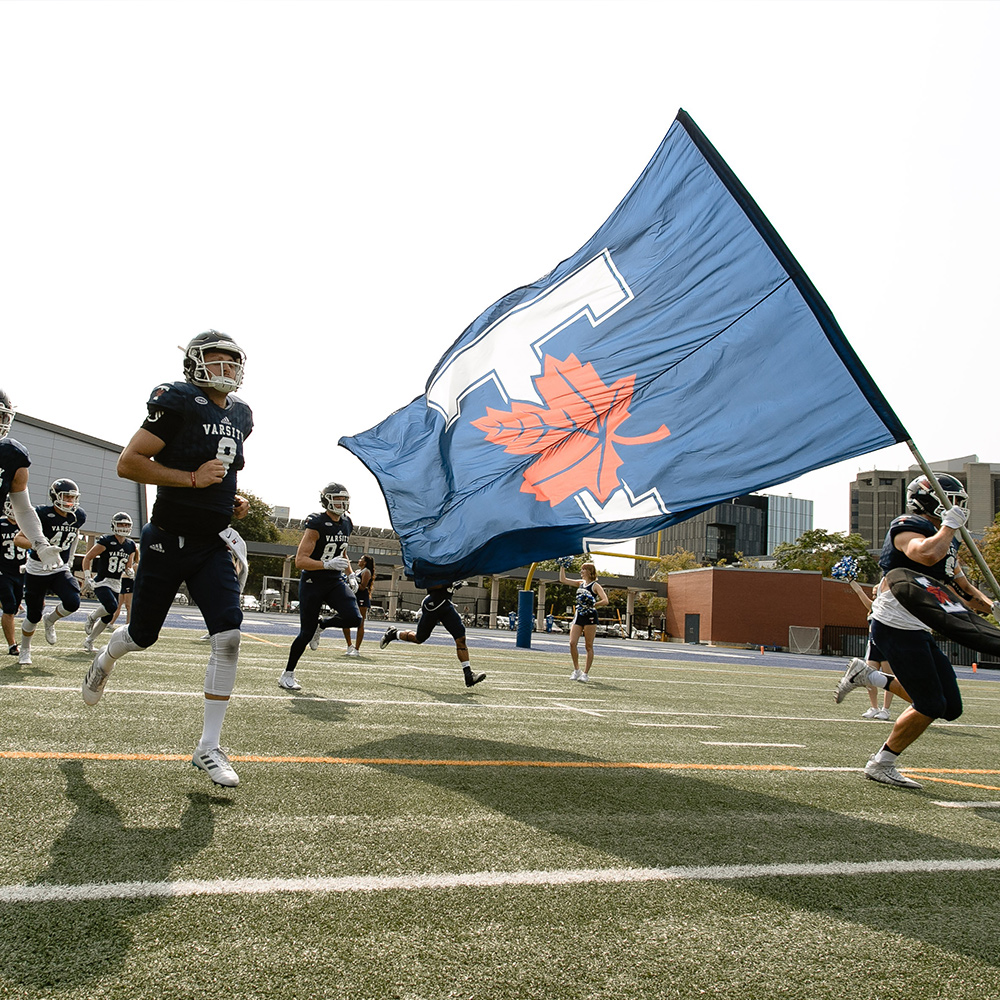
196, 368
121, 524
335, 498
65, 495
6, 414
921, 498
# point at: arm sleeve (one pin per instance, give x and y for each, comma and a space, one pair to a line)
27, 518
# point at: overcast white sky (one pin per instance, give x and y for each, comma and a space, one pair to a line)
344, 187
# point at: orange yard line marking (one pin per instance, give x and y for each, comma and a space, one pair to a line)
257, 638
964, 784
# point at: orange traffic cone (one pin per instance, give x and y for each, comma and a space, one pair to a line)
973, 668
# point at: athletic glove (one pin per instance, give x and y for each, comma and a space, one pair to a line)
352, 582
340, 563
50, 556
88, 579
955, 517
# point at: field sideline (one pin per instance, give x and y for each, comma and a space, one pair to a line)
692, 822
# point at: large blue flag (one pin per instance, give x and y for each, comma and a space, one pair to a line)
678, 359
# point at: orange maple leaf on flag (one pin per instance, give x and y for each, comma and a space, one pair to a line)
573, 434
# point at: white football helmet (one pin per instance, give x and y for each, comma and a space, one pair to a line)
121, 524
65, 495
196, 368
6, 414
335, 498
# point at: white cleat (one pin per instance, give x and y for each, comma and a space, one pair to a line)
88, 625
88, 645
351, 651
288, 682
583, 678
24, 657
93, 684
575, 676
50, 630
855, 676
314, 641
887, 774
216, 765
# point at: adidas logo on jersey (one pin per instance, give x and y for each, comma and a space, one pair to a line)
157, 547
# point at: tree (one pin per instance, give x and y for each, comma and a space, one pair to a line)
989, 546
257, 526
821, 550
677, 560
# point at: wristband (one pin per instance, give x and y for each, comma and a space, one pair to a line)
194, 482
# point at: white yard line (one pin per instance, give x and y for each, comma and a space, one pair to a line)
42, 893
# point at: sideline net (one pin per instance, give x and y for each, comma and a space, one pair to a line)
803, 640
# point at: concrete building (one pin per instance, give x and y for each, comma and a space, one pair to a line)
62, 453
753, 524
879, 495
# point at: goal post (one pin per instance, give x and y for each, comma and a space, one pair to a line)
803, 639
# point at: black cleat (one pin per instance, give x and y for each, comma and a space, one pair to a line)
13, 651
390, 633
471, 678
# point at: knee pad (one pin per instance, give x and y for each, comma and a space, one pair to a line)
220, 677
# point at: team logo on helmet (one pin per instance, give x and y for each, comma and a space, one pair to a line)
921, 498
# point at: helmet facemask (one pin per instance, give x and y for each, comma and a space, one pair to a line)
196, 369
121, 525
6, 414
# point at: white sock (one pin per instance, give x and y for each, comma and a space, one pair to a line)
211, 733
886, 756
98, 628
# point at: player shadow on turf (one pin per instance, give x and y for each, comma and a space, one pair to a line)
318, 708
457, 697
14, 672
61, 944
609, 816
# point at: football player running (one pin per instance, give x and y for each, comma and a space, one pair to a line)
926, 538
111, 555
326, 575
437, 609
14, 462
11, 575
190, 447
61, 522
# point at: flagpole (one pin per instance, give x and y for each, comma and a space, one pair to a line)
966, 537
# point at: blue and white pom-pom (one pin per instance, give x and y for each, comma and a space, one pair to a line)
846, 569
565, 561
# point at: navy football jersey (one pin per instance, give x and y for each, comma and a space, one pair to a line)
61, 530
892, 558
13, 456
333, 536
111, 563
196, 431
11, 557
